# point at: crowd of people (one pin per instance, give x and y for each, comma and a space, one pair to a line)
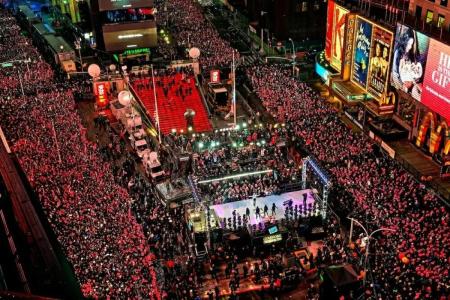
186, 23
87, 210
413, 259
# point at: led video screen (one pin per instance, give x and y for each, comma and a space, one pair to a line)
337, 45
123, 4
409, 61
119, 37
436, 83
329, 35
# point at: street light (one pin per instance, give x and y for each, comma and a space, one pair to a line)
293, 57
368, 236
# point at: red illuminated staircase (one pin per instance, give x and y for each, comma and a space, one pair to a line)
171, 109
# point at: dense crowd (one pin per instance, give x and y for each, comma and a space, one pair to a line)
87, 210
190, 28
377, 188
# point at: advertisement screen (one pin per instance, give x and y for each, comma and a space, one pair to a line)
409, 60
119, 37
123, 4
363, 34
337, 45
328, 37
379, 61
436, 84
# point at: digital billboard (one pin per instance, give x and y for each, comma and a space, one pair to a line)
379, 61
337, 44
436, 83
119, 37
104, 5
328, 37
360, 68
409, 60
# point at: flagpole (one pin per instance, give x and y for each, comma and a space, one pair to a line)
234, 90
156, 106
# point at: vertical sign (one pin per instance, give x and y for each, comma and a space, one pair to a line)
379, 62
328, 37
349, 37
337, 45
360, 69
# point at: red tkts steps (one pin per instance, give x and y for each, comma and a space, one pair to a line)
171, 109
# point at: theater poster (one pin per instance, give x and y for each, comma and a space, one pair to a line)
363, 35
337, 45
380, 59
409, 60
436, 84
329, 35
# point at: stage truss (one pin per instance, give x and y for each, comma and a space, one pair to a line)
310, 162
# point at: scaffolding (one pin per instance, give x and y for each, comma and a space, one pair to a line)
310, 162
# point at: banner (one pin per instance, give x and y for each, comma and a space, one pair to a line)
380, 60
337, 44
329, 34
409, 60
436, 84
361, 55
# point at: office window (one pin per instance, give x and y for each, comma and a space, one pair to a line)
429, 17
440, 21
444, 3
418, 12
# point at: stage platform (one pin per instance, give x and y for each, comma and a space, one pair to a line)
281, 201
177, 191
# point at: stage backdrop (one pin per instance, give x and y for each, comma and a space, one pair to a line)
361, 55
337, 45
409, 60
436, 83
380, 60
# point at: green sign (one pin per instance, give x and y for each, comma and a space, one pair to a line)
5, 65
136, 51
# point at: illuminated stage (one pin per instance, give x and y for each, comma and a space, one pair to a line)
281, 201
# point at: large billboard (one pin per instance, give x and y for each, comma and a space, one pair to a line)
119, 37
123, 4
380, 61
329, 35
436, 83
409, 60
337, 44
360, 68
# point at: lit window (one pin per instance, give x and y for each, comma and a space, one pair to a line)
444, 3
429, 18
441, 20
